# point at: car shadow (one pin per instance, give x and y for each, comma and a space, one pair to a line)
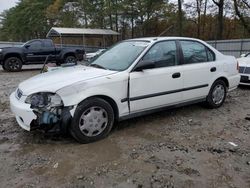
156, 116
40, 137
33, 69
23, 70
244, 87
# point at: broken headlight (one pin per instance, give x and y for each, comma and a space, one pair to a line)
44, 99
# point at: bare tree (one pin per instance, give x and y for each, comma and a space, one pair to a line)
198, 8
246, 3
196, 12
220, 5
240, 15
180, 20
204, 17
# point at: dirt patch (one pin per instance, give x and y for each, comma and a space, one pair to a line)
184, 147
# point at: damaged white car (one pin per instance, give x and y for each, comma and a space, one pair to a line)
135, 77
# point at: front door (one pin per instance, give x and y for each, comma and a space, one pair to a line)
159, 86
34, 52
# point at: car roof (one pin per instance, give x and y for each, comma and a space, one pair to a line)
154, 39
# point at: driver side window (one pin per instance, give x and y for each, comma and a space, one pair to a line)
35, 45
163, 54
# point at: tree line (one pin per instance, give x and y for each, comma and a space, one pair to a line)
205, 19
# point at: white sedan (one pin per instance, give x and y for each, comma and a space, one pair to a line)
244, 63
133, 78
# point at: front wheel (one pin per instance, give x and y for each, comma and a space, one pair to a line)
13, 64
92, 121
217, 94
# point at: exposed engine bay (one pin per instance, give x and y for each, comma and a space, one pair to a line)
51, 114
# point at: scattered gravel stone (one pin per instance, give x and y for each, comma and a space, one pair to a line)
184, 147
55, 165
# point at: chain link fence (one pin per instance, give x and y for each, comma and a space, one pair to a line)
234, 47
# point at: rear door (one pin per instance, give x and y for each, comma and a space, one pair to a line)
159, 86
198, 69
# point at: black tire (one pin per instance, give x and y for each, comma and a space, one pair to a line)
85, 108
70, 59
13, 64
211, 99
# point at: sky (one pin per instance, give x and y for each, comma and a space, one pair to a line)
6, 4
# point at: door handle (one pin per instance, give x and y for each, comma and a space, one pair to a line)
213, 69
176, 75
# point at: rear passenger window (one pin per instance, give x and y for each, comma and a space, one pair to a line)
163, 54
48, 44
195, 52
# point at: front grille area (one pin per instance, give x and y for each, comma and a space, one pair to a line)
19, 94
241, 69
247, 70
244, 70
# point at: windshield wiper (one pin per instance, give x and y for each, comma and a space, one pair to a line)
97, 66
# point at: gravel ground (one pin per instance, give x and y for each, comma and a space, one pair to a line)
184, 147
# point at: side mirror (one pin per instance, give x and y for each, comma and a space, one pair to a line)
144, 64
27, 46
243, 55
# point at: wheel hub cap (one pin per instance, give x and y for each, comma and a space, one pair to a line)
93, 121
218, 94
13, 64
71, 60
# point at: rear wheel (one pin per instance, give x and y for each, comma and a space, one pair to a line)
93, 120
217, 94
70, 59
13, 64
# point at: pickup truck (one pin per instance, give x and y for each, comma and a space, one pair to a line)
35, 52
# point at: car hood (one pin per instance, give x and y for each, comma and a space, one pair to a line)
244, 61
11, 48
55, 80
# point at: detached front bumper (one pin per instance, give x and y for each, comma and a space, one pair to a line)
24, 114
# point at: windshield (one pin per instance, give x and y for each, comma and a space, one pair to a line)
121, 56
23, 45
